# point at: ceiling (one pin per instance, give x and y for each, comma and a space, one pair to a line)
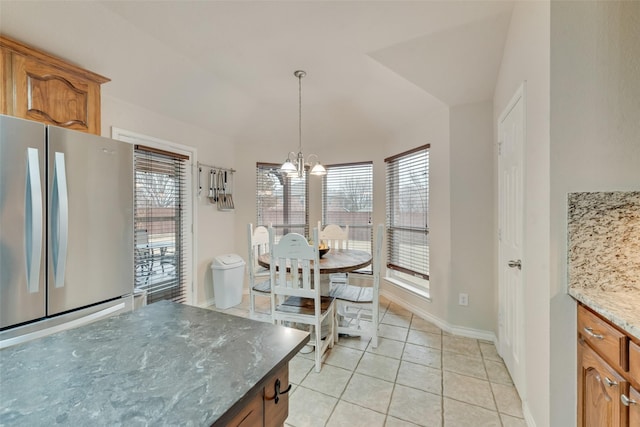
373, 67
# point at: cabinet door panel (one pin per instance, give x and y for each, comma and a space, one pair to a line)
634, 409
634, 363
599, 390
275, 414
250, 416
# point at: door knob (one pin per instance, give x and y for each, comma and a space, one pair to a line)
515, 263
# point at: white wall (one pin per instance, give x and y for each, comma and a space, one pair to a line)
472, 212
526, 58
214, 228
595, 146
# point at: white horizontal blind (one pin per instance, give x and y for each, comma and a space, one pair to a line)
160, 226
347, 199
281, 200
407, 181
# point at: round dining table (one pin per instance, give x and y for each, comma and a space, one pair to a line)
334, 261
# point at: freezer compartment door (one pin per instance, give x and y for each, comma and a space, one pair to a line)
90, 181
22, 221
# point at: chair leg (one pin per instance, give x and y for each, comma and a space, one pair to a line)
319, 345
252, 302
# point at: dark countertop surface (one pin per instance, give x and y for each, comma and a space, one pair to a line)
165, 364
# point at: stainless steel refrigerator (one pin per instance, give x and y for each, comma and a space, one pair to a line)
66, 228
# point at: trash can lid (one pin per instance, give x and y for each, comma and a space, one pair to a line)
222, 262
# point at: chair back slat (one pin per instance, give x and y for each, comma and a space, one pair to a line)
335, 236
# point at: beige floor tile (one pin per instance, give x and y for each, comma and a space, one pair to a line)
416, 406
344, 357
462, 364
358, 343
348, 415
422, 355
330, 380
425, 338
303, 414
372, 393
507, 400
393, 332
396, 320
497, 372
420, 324
509, 421
385, 368
468, 389
460, 414
462, 345
420, 377
489, 352
299, 367
387, 347
396, 422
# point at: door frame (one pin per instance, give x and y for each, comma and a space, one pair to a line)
518, 96
192, 207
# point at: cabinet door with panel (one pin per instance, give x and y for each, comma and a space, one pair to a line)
42, 87
634, 407
276, 398
599, 389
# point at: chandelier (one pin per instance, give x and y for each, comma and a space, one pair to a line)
290, 168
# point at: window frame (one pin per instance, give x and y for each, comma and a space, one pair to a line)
399, 269
353, 228
285, 226
189, 206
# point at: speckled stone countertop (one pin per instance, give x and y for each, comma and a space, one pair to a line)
604, 255
165, 364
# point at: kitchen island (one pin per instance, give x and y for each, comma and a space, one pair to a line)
604, 277
165, 364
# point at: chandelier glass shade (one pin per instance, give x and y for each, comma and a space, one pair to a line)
295, 163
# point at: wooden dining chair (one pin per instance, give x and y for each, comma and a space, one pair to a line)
259, 280
336, 237
356, 304
295, 297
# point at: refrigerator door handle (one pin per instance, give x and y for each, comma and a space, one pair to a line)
59, 220
33, 221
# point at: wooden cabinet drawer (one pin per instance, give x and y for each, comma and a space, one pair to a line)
604, 338
634, 363
276, 398
250, 416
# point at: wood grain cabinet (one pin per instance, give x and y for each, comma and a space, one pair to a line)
270, 407
42, 87
607, 381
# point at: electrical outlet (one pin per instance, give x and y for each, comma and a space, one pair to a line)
463, 299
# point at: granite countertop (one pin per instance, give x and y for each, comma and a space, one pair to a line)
604, 255
165, 364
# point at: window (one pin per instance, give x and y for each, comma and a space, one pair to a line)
159, 223
281, 200
163, 217
407, 181
347, 199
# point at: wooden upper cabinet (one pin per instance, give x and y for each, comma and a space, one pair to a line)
41, 87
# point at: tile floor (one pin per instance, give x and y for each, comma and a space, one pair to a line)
418, 376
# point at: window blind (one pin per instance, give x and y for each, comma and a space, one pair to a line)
407, 182
281, 200
160, 226
347, 199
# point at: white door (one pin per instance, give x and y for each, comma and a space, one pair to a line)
511, 136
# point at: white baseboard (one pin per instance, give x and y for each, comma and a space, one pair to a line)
445, 326
207, 303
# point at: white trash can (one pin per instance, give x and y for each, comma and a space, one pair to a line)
228, 278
